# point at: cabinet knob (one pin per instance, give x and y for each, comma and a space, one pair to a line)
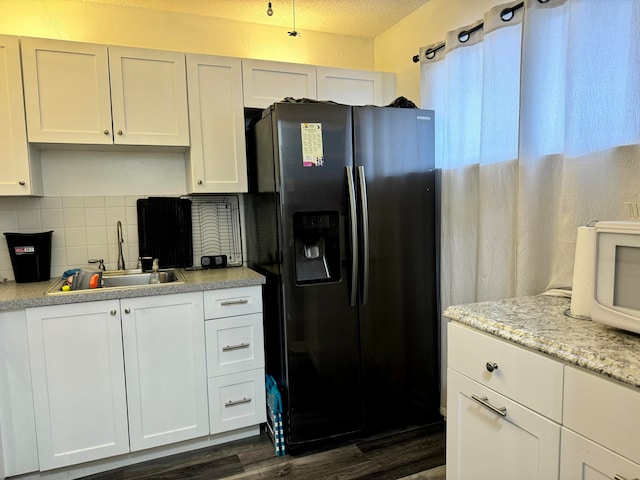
127, 310
200, 182
119, 132
22, 183
113, 312
106, 132
491, 366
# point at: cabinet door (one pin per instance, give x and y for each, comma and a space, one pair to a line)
217, 158
66, 88
266, 82
355, 87
17, 425
20, 174
78, 382
616, 428
582, 459
149, 97
165, 369
483, 444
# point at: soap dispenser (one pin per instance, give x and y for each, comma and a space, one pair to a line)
155, 274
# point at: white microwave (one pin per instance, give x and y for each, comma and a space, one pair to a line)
616, 300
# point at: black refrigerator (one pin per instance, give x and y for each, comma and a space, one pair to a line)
341, 220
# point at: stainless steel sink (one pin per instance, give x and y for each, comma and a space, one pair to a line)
136, 279
123, 279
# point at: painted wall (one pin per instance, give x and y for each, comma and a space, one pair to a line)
395, 48
138, 27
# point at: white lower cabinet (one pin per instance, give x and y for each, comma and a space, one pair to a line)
582, 459
83, 411
491, 437
514, 413
78, 382
235, 358
500, 403
602, 421
17, 424
165, 369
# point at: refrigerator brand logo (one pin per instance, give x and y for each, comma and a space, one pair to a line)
422, 117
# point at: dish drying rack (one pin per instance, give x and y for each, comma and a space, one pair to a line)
216, 228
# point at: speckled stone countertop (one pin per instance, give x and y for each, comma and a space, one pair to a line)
15, 296
538, 322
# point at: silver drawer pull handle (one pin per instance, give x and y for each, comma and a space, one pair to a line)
491, 366
502, 411
620, 477
228, 348
233, 403
226, 303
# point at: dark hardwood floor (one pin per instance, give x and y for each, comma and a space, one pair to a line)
412, 454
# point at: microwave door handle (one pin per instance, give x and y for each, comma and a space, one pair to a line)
364, 208
353, 225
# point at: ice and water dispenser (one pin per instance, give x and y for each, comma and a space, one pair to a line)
317, 247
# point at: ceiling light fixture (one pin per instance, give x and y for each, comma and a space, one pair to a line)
294, 32
269, 10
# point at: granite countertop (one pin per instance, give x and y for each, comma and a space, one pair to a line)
538, 322
23, 295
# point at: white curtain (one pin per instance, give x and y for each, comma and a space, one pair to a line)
537, 133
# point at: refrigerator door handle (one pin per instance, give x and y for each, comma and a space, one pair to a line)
354, 237
364, 204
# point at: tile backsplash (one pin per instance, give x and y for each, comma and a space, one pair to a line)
83, 228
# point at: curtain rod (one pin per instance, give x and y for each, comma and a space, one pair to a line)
506, 15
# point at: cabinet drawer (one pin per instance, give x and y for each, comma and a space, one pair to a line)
603, 410
228, 302
522, 375
234, 344
237, 401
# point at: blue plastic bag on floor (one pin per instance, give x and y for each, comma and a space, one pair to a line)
274, 415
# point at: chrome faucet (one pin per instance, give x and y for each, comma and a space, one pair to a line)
120, 242
100, 263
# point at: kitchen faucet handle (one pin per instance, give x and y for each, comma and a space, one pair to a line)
100, 263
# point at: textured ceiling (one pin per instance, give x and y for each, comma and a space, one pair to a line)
359, 18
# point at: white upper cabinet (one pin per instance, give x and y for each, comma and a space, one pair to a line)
66, 91
355, 87
216, 161
20, 172
71, 89
267, 82
148, 97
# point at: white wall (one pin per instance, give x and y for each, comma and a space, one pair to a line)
84, 21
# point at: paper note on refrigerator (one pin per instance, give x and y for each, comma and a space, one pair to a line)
312, 149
